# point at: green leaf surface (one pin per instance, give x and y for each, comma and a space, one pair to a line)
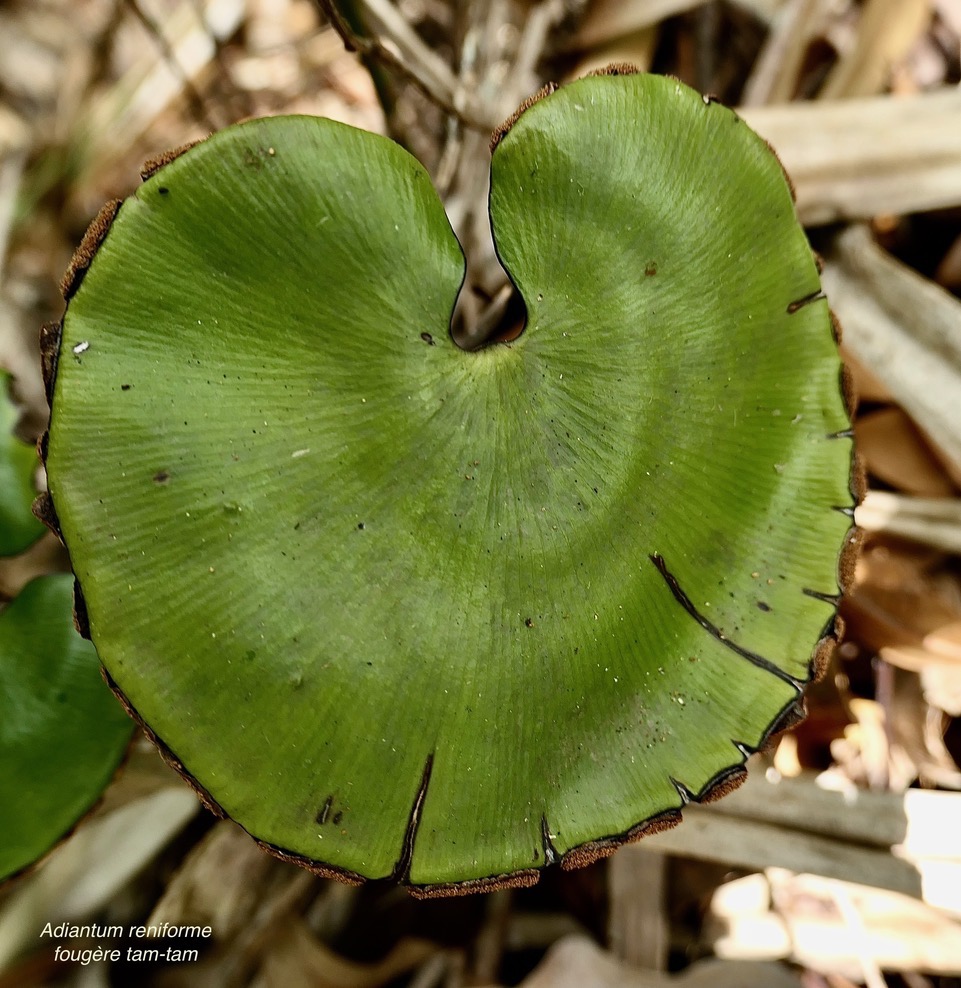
18, 463
62, 734
411, 611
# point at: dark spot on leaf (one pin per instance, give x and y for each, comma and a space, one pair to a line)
650, 269
125, 387
163, 190
338, 816
428, 339
161, 477
762, 606
529, 622
360, 525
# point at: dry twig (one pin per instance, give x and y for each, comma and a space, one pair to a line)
401, 49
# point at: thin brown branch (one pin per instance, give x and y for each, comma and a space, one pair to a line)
239, 96
195, 100
401, 49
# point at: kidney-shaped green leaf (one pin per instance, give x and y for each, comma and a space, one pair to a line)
405, 610
62, 734
18, 463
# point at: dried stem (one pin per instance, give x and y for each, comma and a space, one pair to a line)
401, 48
198, 105
496, 70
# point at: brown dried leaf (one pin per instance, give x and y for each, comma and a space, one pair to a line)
895, 451
866, 752
912, 615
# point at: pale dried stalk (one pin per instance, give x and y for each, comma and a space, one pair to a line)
855, 159
796, 917
930, 521
905, 330
775, 74
902, 842
637, 925
887, 32
610, 19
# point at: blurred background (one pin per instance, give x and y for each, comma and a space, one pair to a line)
839, 862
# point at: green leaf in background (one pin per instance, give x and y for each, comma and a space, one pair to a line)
62, 733
18, 463
405, 610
